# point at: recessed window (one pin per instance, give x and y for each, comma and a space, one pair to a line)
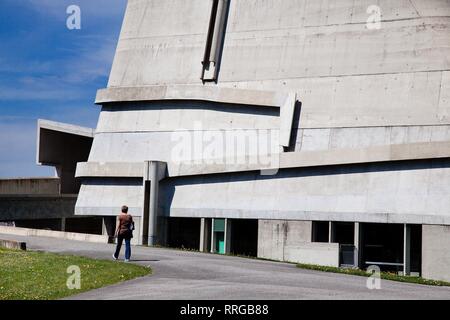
320, 231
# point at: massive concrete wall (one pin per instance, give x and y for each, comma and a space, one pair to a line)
348, 77
398, 192
171, 131
345, 74
436, 252
357, 87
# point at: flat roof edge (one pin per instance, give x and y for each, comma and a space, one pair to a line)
65, 128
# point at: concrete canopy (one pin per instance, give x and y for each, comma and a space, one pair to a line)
63, 146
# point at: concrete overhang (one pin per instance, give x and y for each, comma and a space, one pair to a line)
191, 92
51, 136
401, 152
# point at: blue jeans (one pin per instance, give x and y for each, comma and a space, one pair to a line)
127, 247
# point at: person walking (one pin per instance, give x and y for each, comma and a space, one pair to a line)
124, 232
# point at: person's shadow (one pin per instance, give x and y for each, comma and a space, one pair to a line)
144, 260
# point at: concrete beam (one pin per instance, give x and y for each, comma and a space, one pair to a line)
192, 92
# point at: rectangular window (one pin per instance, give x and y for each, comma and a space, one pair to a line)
320, 231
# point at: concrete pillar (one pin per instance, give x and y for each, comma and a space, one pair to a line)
330, 231
227, 237
154, 172
63, 224
109, 227
205, 234
407, 250
153, 205
356, 244
213, 237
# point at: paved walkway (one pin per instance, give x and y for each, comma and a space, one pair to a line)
192, 276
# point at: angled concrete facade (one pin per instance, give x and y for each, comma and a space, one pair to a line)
319, 118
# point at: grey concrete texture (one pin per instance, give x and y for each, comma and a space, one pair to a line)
63, 145
30, 186
20, 207
344, 73
195, 276
436, 252
380, 192
291, 241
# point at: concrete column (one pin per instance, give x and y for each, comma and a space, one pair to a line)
330, 231
205, 232
109, 227
63, 224
227, 236
155, 171
213, 237
356, 244
407, 250
153, 205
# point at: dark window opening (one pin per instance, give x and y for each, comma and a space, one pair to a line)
244, 237
184, 233
382, 245
343, 233
320, 231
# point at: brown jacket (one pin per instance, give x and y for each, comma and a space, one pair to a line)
125, 221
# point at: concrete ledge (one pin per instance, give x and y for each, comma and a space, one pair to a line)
11, 244
110, 169
54, 234
191, 92
400, 152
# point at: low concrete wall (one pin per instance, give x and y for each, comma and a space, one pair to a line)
30, 207
436, 252
31, 186
291, 241
274, 235
54, 234
11, 244
324, 254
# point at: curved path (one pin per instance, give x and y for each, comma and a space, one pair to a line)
192, 276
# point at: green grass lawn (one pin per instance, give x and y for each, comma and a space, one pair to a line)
27, 275
384, 275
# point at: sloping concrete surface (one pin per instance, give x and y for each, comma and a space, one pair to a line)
192, 276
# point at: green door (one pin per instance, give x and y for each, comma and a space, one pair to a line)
220, 242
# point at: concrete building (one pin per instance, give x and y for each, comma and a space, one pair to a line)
49, 203
297, 130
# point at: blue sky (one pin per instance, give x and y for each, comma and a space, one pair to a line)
48, 71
